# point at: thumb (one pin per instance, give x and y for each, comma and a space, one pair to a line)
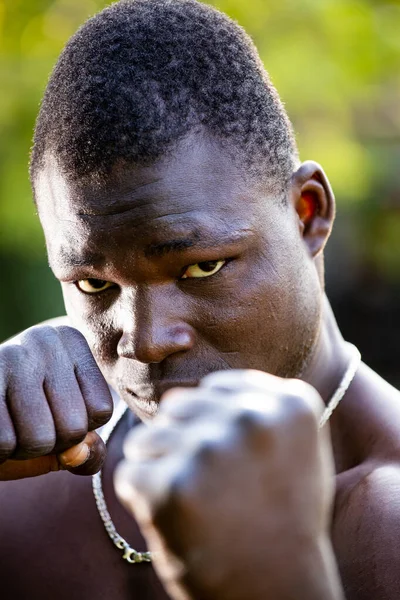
85, 458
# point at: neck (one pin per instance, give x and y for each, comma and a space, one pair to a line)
330, 358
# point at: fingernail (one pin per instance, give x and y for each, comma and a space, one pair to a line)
75, 456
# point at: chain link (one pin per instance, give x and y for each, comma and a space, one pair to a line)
343, 385
129, 554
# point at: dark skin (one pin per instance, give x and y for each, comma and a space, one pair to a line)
153, 235
159, 324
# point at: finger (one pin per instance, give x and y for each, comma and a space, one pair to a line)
236, 379
20, 469
143, 486
96, 393
130, 492
85, 458
180, 404
304, 393
31, 416
144, 443
94, 388
68, 408
8, 438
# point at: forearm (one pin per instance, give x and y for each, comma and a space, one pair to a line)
310, 575
307, 574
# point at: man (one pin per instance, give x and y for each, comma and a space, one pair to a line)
188, 239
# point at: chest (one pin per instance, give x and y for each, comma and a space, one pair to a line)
54, 545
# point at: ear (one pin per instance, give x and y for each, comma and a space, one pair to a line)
314, 202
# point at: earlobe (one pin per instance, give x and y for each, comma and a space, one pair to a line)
314, 203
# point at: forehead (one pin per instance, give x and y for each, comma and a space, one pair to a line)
196, 193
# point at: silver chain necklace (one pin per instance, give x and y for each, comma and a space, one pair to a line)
130, 554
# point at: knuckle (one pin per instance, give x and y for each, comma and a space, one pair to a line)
12, 356
180, 492
307, 422
300, 389
162, 436
19, 366
74, 340
8, 444
206, 452
69, 333
227, 381
239, 380
72, 436
101, 411
47, 340
36, 448
304, 402
29, 349
101, 416
181, 404
189, 486
257, 430
39, 335
249, 420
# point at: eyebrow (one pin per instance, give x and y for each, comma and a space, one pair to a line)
70, 259
159, 250
195, 241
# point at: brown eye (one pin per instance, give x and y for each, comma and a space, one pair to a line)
93, 286
203, 269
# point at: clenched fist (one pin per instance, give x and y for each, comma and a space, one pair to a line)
232, 486
52, 397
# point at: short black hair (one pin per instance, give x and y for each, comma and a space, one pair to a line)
142, 74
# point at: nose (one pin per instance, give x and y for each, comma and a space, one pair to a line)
154, 328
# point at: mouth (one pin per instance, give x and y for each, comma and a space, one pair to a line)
153, 392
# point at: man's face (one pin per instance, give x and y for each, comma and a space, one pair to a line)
178, 269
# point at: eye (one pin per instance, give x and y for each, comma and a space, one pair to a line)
93, 286
203, 269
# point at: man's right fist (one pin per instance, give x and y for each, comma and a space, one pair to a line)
52, 394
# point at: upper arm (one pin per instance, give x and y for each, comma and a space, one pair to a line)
366, 536
54, 322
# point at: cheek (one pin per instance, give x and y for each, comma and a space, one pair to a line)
268, 319
97, 327
234, 318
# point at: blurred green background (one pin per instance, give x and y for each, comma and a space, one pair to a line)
336, 64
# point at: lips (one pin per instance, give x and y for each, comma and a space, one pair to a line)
154, 391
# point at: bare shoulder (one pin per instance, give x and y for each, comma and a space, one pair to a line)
366, 520
366, 535
56, 321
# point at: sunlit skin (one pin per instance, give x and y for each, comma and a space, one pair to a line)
179, 273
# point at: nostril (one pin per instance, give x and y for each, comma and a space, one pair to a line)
126, 346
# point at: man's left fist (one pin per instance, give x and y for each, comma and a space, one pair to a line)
232, 486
